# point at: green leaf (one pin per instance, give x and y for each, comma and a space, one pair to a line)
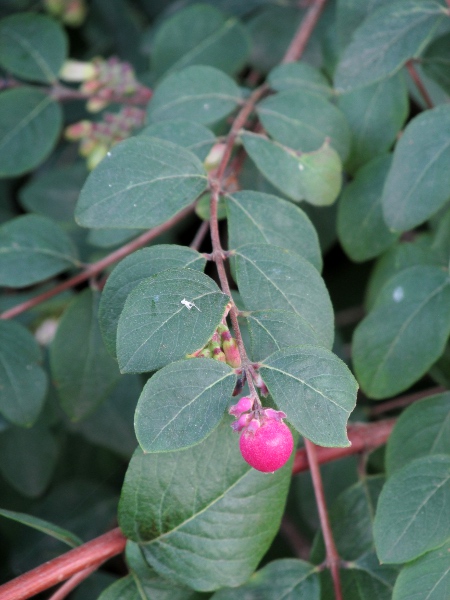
141, 183
412, 511
315, 177
203, 516
419, 171
28, 458
203, 208
30, 123
150, 585
351, 518
299, 76
303, 121
254, 217
412, 306
366, 579
269, 277
130, 272
200, 35
182, 403
376, 114
315, 389
386, 40
272, 330
23, 383
125, 588
190, 135
54, 192
427, 578
110, 238
436, 61
49, 528
201, 94
33, 248
350, 14
32, 46
360, 224
156, 327
286, 579
83, 371
422, 429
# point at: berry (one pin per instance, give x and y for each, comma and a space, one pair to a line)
269, 447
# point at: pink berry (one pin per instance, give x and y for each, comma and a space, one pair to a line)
269, 448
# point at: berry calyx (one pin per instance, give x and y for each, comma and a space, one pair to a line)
268, 447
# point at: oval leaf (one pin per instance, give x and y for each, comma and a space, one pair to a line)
141, 183
285, 281
130, 272
419, 180
32, 249
157, 327
412, 512
203, 517
188, 134
199, 93
181, 404
412, 306
67, 537
299, 75
23, 383
427, 578
315, 389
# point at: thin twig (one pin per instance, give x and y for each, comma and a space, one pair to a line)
404, 401
333, 559
73, 582
296, 540
419, 83
98, 266
301, 38
61, 568
200, 235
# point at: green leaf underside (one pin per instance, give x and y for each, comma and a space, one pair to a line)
386, 40
303, 121
203, 516
366, 579
200, 35
141, 183
427, 578
49, 528
436, 61
375, 115
298, 75
272, 330
269, 277
156, 328
182, 403
23, 383
198, 93
32, 249
28, 458
315, 177
285, 579
254, 217
30, 122
32, 46
190, 135
422, 429
413, 305
419, 180
83, 371
412, 513
315, 389
124, 589
130, 272
361, 228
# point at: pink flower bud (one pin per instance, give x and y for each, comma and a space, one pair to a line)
231, 352
253, 426
261, 385
276, 415
219, 355
242, 422
243, 405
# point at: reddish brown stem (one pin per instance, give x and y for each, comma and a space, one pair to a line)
73, 582
403, 401
200, 235
333, 559
301, 38
97, 267
55, 571
419, 83
363, 437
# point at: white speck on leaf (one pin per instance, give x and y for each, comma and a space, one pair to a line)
189, 305
108, 154
398, 294
301, 167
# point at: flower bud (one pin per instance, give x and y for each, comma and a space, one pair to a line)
242, 422
76, 70
276, 415
231, 352
243, 405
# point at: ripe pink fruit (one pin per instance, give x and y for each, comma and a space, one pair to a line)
269, 447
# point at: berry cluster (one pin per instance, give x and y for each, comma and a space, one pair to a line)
266, 442
71, 12
98, 137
